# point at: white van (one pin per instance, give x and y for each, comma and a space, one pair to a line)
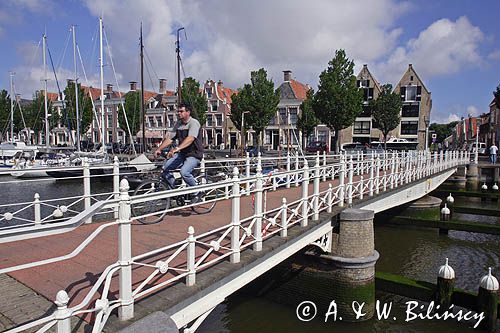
482, 148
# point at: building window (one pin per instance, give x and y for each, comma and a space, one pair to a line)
282, 116
218, 120
363, 83
267, 137
293, 116
361, 127
151, 121
367, 111
209, 92
159, 121
368, 94
410, 110
411, 93
110, 120
322, 136
409, 127
272, 121
209, 120
170, 120
214, 105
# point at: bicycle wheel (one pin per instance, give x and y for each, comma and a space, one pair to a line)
158, 206
209, 199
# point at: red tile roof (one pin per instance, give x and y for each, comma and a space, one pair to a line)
52, 96
299, 89
224, 92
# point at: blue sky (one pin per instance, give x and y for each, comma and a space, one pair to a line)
453, 45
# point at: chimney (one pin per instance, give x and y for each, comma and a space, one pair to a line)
163, 86
287, 75
109, 88
220, 83
68, 81
133, 86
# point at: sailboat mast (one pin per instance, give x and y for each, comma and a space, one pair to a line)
45, 91
142, 96
76, 92
102, 83
178, 51
12, 106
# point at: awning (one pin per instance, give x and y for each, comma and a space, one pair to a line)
151, 134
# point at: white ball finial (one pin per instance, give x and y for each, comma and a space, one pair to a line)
495, 187
445, 210
124, 186
446, 271
484, 187
62, 298
489, 282
450, 199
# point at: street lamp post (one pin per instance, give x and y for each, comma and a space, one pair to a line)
426, 121
476, 155
242, 138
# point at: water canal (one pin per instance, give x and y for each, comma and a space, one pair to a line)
415, 253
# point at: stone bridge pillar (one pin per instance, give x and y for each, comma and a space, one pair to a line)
353, 259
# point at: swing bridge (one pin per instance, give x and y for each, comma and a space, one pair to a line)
103, 270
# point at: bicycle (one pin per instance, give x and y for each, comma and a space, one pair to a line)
145, 211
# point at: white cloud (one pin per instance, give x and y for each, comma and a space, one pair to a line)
445, 47
495, 55
453, 117
472, 111
228, 39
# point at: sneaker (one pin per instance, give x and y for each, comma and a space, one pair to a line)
197, 197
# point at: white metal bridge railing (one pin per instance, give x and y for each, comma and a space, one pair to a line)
184, 259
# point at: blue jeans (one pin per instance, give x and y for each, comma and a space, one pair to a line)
188, 165
493, 158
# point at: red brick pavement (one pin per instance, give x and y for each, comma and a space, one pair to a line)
78, 274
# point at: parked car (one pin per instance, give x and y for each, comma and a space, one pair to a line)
481, 150
315, 146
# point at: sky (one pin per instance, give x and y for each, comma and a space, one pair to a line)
454, 45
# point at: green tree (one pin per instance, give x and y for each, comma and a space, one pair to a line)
34, 113
241, 102
4, 113
84, 107
192, 95
442, 130
307, 120
338, 101
260, 100
132, 110
497, 96
385, 110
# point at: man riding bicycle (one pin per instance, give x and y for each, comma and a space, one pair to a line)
188, 153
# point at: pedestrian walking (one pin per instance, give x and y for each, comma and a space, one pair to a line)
493, 153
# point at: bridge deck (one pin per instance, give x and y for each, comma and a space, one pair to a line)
77, 275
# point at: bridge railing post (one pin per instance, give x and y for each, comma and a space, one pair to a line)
203, 169
284, 217
126, 311
371, 181
235, 219
36, 206
361, 187
393, 170
116, 184
305, 194
62, 314
385, 181
324, 165
329, 198
296, 173
377, 175
316, 188
86, 186
350, 182
288, 168
247, 172
401, 168
191, 255
257, 246
342, 180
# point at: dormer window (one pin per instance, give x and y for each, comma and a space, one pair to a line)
209, 92
363, 83
411, 93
